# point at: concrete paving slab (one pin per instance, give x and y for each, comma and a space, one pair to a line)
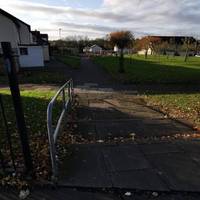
190, 146
84, 113
160, 148
143, 114
141, 128
195, 157
184, 129
162, 196
117, 128
56, 194
83, 102
82, 87
146, 179
106, 89
192, 149
87, 130
91, 84
178, 170
85, 168
99, 105
110, 114
124, 158
158, 128
113, 102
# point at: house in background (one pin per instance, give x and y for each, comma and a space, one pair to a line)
86, 50
125, 50
143, 52
13, 30
42, 40
173, 45
18, 33
31, 55
94, 49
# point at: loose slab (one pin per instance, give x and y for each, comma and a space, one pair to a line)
160, 148
178, 170
124, 158
86, 168
146, 179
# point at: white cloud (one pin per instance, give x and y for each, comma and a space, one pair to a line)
159, 17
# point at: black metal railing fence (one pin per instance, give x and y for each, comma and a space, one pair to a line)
7, 157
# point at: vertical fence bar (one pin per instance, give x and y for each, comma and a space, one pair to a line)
2, 162
14, 87
8, 135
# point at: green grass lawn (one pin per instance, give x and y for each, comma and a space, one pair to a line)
155, 69
72, 61
186, 106
35, 103
162, 70
38, 77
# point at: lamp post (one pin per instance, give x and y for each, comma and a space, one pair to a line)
60, 33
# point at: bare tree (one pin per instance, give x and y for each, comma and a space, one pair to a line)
149, 42
189, 44
122, 39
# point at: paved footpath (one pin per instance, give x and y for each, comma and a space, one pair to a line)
128, 148
131, 152
128, 145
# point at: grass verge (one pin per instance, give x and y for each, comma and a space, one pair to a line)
35, 104
180, 106
38, 77
155, 69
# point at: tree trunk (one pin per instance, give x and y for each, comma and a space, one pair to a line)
196, 47
186, 53
176, 50
146, 52
121, 62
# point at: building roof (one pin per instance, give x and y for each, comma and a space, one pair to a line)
14, 19
41, 39
95, 46
177, 39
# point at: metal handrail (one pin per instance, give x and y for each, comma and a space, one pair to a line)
53, 133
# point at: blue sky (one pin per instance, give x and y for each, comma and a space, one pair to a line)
73, 3
96, 18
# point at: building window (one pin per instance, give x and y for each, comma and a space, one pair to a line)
23, 51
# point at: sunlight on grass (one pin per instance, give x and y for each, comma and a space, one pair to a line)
178, 105
155, 69
38, 77
35, 104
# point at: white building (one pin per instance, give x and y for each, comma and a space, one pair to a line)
18, 33
31, 56
42, 40
143, 52
86, 49
125, 50
95, 49
12, 30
